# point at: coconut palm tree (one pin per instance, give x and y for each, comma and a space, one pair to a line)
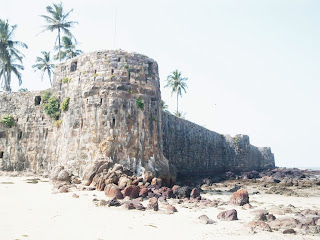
177, 83
58, 21
10, 55
68, 50
7, 69
44, 64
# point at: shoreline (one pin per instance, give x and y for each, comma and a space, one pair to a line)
30, 210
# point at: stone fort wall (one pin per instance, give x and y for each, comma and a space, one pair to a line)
105, 122
195, 150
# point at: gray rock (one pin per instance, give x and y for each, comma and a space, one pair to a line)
205, 220
229, 215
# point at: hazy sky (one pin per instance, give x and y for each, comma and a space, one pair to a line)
253, 66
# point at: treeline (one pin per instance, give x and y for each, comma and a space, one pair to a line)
11, 56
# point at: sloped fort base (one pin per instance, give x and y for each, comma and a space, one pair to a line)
114, 114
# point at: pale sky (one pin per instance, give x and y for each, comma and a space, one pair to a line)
253, 66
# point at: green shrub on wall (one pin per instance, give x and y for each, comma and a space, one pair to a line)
65, 104
236, 140
8, 120
46, 95
140, 103
52, 107
66, 80
57, 123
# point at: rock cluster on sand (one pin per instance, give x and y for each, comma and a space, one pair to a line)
119, 183
129, 191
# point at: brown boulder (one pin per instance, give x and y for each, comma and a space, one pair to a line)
228, 215
289, 231
99, 181
113, 203
63, 176
124, 182
64, 189
128, 206
153, 204
55, 172
75, 195
92, 169
309, 212
166, 192
239, 198
131, 191
75, 180
156, 182
112, 177
148, 176
112, 190
175, 188
287, 222
171, 209
259, 225
137, 205
195, 193
143, 192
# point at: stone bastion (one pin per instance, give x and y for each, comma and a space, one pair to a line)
114, 114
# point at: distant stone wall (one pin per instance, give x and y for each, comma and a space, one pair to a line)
194, 150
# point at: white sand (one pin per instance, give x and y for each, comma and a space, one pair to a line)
31, 211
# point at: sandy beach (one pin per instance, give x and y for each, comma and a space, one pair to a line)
32, 211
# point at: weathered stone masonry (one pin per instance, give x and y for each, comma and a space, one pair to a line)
104, 122
194, 150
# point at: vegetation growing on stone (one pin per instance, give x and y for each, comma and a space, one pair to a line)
46, 95
57, 123
52, 107
140, 103
66, 80
8, 120
65, 104
236, 141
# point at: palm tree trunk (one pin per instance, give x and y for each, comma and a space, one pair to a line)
177, 102
59, 44
9, 81
50, 79
6, 86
